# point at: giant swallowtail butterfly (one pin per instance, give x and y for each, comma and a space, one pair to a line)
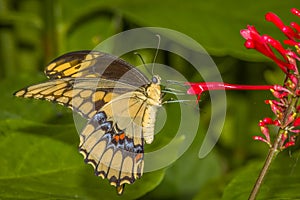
119, 102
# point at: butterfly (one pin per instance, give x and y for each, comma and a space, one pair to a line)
119, 102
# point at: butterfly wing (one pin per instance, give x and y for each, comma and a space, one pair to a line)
84, 96
95, 64
85, 81
113, 143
